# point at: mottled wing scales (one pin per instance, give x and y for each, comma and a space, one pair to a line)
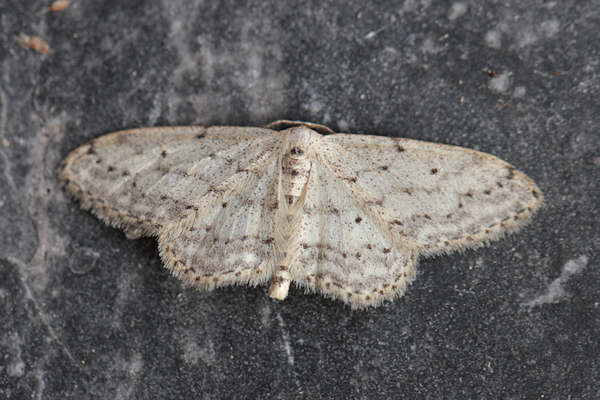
229, 239
346, 215
141, 179
431, 197
342, 251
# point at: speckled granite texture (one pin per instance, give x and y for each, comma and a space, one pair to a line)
86, 313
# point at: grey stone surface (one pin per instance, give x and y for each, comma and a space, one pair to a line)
86, 313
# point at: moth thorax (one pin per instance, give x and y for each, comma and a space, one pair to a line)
295, 163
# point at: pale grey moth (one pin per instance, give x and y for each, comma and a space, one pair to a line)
344, 214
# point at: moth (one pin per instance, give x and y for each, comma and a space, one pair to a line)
345, 215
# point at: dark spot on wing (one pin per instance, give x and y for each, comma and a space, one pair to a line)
296, 151
434, 171
214, 189
224, 205
357, 220
110, 168
400, 149
163, 154
378, 202
511, 172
